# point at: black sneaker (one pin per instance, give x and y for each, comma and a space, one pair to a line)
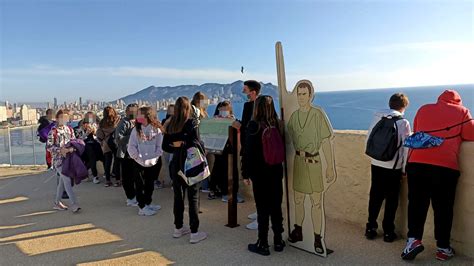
389, 237
279, 245
371, 233
211, 196
259, 248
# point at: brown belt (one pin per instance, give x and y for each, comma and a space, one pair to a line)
306, 154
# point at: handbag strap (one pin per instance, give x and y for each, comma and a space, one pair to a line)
448, 128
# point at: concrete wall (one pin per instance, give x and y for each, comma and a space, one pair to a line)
347, 199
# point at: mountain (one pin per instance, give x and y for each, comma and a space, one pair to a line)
231, 91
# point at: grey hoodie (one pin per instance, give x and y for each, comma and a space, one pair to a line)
146, 152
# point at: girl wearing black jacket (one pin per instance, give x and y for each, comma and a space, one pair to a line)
266, 179
182, 130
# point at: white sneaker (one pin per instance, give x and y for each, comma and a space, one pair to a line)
153, 207
146, 212
132, 202
96, 180
252, 226
197, 237
181, 232
59, 206
252, 216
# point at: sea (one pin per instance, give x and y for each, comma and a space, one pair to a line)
347, 110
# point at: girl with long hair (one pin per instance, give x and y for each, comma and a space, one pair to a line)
266, 178
144, 148
106, 130
181, 132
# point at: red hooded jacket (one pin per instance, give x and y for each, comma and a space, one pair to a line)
448, 111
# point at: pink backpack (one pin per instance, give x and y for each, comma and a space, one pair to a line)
273, 146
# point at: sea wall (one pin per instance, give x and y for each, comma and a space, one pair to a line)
347, 199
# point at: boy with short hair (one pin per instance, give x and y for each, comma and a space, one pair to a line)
387, 175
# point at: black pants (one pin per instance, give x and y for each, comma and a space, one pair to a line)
179, 189
385, 186
128, 183
438, 184
144, 179
91, 158
268, 194
218, 179
108, 159
116, 171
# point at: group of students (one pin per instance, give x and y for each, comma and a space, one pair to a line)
134, 148
141, 144
428, 159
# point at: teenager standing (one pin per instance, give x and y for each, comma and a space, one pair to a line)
266, 178
107, 127
122, 136
144, 148
182, 131
58, 138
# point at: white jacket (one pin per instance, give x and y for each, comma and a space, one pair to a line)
403, 132
146, 152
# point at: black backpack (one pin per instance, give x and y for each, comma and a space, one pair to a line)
383, 143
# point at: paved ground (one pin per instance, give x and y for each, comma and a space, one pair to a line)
108, 233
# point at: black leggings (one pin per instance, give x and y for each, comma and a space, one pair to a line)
91, 158
268, 194
144, 179
179, 189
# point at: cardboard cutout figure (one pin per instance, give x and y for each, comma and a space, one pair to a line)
310, 164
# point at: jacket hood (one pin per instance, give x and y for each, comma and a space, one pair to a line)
451, 97
388, 112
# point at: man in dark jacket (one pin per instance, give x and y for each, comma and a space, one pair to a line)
122, 135
252, 90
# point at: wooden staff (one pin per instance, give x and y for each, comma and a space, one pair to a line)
280, 64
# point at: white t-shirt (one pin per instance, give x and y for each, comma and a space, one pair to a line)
404, 131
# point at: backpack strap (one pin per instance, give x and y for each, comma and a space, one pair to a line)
396, 118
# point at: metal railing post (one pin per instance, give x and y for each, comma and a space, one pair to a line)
9, 146
33, 143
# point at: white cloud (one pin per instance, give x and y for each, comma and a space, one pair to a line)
453, 69
207, 75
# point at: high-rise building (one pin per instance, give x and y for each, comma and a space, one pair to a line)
80, 101
55, 103
3, 112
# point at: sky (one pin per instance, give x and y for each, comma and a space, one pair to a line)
104, 49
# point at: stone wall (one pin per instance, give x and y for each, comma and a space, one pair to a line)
347, 199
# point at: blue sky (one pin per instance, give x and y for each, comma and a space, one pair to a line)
105, 49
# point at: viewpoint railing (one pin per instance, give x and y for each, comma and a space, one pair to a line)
20, 146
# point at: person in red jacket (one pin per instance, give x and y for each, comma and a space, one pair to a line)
433, 172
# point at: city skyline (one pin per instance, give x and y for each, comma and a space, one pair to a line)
103, 50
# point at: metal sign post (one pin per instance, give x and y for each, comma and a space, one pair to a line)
233, 179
